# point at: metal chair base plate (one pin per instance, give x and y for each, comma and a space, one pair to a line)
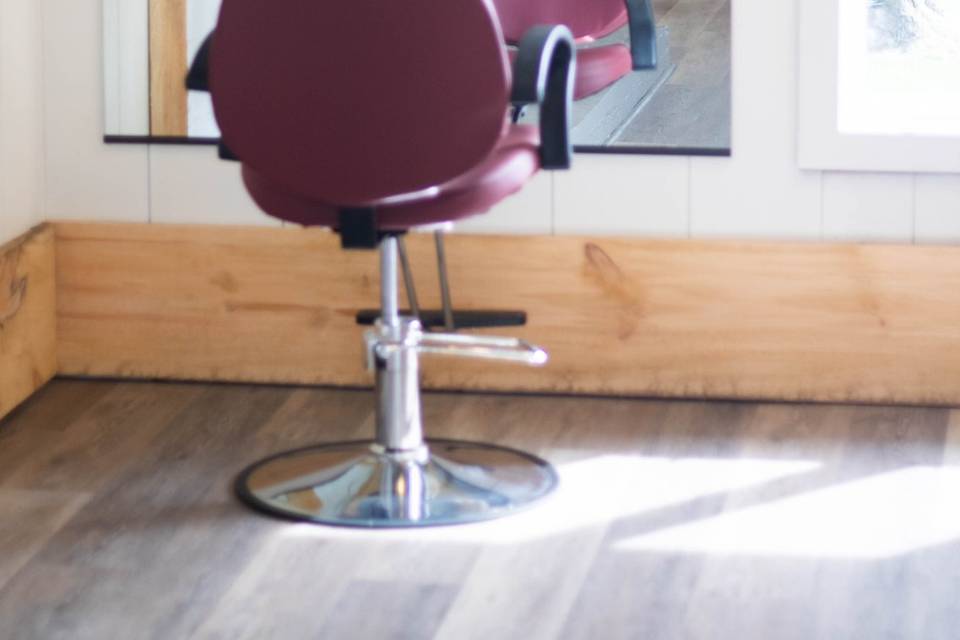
356, 484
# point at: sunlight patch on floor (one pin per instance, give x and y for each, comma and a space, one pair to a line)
594, 492
875, 517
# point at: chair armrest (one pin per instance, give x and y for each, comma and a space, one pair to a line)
198, 77
643, 34
543, 74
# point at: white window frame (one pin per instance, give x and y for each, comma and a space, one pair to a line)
821, 145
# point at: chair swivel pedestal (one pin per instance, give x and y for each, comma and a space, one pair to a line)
399, 479
372, 149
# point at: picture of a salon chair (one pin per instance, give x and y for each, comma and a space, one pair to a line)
597, 66
397, 117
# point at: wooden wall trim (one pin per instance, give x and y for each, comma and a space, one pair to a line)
27, 316
168, 67
670, 318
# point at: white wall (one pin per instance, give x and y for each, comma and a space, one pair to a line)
757, 193
21, 122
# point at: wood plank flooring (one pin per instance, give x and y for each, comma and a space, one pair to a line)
674, 520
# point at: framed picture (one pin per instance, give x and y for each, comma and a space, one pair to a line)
879, 85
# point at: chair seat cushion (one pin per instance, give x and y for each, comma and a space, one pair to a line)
612, 26
599, 67
511, 163
591, 20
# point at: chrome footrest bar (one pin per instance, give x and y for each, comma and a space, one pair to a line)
485, 347
400, 479
383, 340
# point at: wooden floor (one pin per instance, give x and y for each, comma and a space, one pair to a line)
674, 520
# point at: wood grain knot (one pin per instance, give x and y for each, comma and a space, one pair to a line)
600, 260
225, 281
604, 270
13, 290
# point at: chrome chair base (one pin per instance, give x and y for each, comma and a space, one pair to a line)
359, 484
399, 479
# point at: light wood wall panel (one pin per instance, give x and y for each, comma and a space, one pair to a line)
168, 67
619, 316
27, 317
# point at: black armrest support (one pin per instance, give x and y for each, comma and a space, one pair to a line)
543, 74
197, 77
643, 34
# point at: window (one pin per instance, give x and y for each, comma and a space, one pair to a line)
879, 85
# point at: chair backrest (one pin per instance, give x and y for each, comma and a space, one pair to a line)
353, 101
584, 18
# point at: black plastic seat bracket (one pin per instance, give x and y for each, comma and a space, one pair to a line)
198, 78
473, 319
358, 228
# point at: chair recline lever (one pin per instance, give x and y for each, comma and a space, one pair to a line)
544, 74
484, 347
380, 342
643, 34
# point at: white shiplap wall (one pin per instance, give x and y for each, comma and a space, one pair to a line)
21, 122
758, 193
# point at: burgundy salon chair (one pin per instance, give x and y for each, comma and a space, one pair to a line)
372, 118
600, 66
